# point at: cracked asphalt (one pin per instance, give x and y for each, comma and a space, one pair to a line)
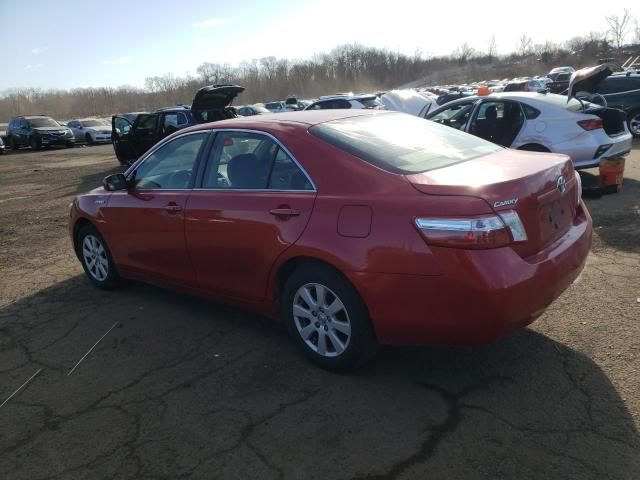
183, 387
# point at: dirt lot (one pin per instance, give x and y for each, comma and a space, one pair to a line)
185, 388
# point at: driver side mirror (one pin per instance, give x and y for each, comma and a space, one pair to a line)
114, 182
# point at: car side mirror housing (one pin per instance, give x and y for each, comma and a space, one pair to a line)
114, 182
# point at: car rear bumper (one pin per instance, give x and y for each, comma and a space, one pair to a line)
620, 145
482, 295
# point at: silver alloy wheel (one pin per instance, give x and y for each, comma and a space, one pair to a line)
634, 124
321, 319
95, 258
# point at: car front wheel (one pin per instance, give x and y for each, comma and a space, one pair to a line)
634, 123
89, 139
327, 318
96, 258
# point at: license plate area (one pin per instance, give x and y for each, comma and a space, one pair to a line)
555, 218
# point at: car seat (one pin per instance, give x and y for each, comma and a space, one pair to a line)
245, 171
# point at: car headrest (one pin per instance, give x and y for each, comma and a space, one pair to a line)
491, 113
244, 171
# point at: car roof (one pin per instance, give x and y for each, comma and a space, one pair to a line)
27, 117
346, 97
531, 97
303, 118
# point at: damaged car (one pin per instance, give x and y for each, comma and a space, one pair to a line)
131, 138
541, 122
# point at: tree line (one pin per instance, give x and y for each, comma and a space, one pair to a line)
350, 67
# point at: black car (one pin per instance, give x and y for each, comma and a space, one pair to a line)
37, 131
135, 133
619, 90
451, 96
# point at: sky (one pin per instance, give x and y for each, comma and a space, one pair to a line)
89, 43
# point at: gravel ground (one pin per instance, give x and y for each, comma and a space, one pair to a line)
181, 387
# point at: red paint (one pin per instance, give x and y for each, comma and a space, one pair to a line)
231, 244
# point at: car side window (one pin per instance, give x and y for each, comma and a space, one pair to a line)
146, 122
122, 125
172, 165
182, 119
529, 112
251, 161
455, 116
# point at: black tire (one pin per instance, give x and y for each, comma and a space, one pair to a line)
534, 147
70, 144
88, 139
633, 123
360, 345
111, 279
13, 144
35, 143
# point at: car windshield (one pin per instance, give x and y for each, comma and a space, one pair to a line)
39, 122
92, 123
401, 143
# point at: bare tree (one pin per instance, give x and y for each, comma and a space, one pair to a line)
492, 51
525, 45
464, 52
618, 27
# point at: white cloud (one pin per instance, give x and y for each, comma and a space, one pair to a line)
34, 66
117, 61
212, 22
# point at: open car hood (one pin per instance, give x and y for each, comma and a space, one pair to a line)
587, 79
215, 97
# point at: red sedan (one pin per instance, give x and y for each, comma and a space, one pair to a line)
354, 227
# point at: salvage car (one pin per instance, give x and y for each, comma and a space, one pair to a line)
345, 101
409, 101
90, 130
37, 131
250, 110
131, 138
620, 90
541, 122
355, 227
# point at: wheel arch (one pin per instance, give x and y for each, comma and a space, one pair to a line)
534, 147
80, 222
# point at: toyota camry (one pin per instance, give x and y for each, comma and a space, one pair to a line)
354, 227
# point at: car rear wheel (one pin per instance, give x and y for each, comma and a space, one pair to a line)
327, 318
533, 147
35, 143
13, 144
96, 258
634, 123
89, 139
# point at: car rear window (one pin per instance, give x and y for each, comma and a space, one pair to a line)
401, 143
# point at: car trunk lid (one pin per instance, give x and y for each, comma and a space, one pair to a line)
210, 103
540, 187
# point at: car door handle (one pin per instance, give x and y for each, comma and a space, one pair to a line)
173, 208
284, 212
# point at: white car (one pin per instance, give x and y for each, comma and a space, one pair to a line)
409, 101
346, 101
541, 122
90, 130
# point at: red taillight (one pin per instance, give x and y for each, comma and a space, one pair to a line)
473, 233
591, 124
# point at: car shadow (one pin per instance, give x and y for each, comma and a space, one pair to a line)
183, 386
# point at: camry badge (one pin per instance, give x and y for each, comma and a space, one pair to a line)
561, 184
505, 203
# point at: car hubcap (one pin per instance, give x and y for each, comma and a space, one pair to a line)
321, 320
634, 124
95, 258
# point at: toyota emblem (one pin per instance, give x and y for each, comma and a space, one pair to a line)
561, 183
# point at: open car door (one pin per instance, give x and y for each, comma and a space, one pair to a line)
121, 129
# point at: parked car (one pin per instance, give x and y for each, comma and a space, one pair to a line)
451, 96
275, 107
250, 110
346, 101
37, 131
553, 74
530, 85
131, 138
542, 122
409, 101
1, 146
620, 91
560, 84
353, 227
90, 130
